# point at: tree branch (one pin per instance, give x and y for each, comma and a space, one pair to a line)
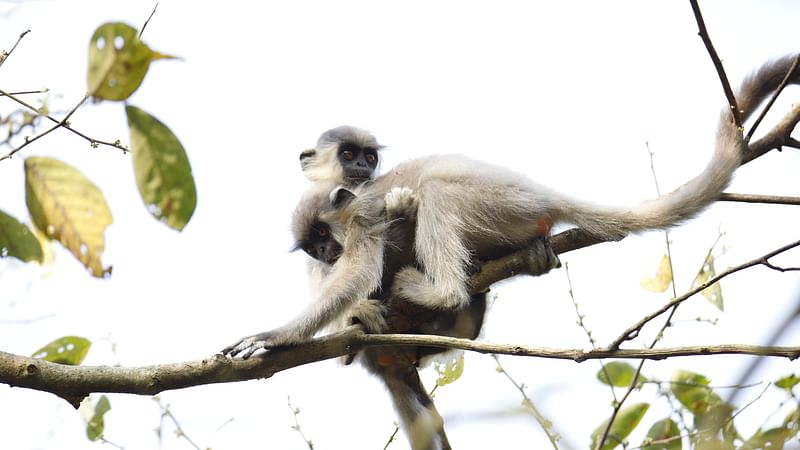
73, 383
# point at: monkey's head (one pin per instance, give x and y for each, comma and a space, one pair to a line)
345, 155
325, 216
318, 222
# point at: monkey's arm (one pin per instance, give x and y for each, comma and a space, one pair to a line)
353, 277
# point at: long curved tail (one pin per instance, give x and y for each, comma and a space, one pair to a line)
689, 199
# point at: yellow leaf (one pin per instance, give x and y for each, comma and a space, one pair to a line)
118, 61
712, 293
662, 278
69, 208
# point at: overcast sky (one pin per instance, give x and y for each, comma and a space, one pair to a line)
570, 93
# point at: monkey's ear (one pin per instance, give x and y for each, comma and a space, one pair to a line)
341, 197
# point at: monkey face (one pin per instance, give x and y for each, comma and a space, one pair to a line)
358, 163
320, 244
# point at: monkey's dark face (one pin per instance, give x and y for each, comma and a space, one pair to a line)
358, 163
321, 245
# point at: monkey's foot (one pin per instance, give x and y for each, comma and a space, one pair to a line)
540, 257
371, 314
417, 288
401, 202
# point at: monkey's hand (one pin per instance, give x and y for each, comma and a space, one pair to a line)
401, 203
540, 257
246, 346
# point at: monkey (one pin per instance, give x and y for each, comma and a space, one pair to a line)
396, 367
468, 208
345, 155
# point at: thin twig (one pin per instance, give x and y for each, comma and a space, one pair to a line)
296, 426
40, 91
772, 99
7, 54
753, 198
726, 86
165, 412
59, 124
761, 260
543, 422
147, 21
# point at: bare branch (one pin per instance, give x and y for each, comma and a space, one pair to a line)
633, 330
726, 86
4, 56
59, 124
752, 198
772, 99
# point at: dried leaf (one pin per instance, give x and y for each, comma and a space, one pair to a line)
66, 206
662, 278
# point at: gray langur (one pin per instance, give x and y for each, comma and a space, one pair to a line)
471, 209
319, 225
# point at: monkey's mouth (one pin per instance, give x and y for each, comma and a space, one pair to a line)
359, 176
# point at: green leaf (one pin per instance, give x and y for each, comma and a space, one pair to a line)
772, 439
661, 280
691, 389
712, 293
69, 350
626, 421
96, 425
788, 382
162, 169
118, 61
449, 371
618, 374
663, 435
66, 206
18, 241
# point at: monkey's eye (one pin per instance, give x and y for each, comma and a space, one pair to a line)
348, 155
371, 157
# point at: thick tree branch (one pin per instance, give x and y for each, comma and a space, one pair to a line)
73, 383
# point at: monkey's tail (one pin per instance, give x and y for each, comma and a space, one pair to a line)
419, 418
691, 198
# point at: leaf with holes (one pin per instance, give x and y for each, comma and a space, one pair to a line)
96, 425
626, 421
69, 208
118, 61
162, 169
659, 282
18, 241
69, 350
449, 371
712, 293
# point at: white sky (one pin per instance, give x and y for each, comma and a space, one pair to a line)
556, 91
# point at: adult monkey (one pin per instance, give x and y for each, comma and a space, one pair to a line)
466, 208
